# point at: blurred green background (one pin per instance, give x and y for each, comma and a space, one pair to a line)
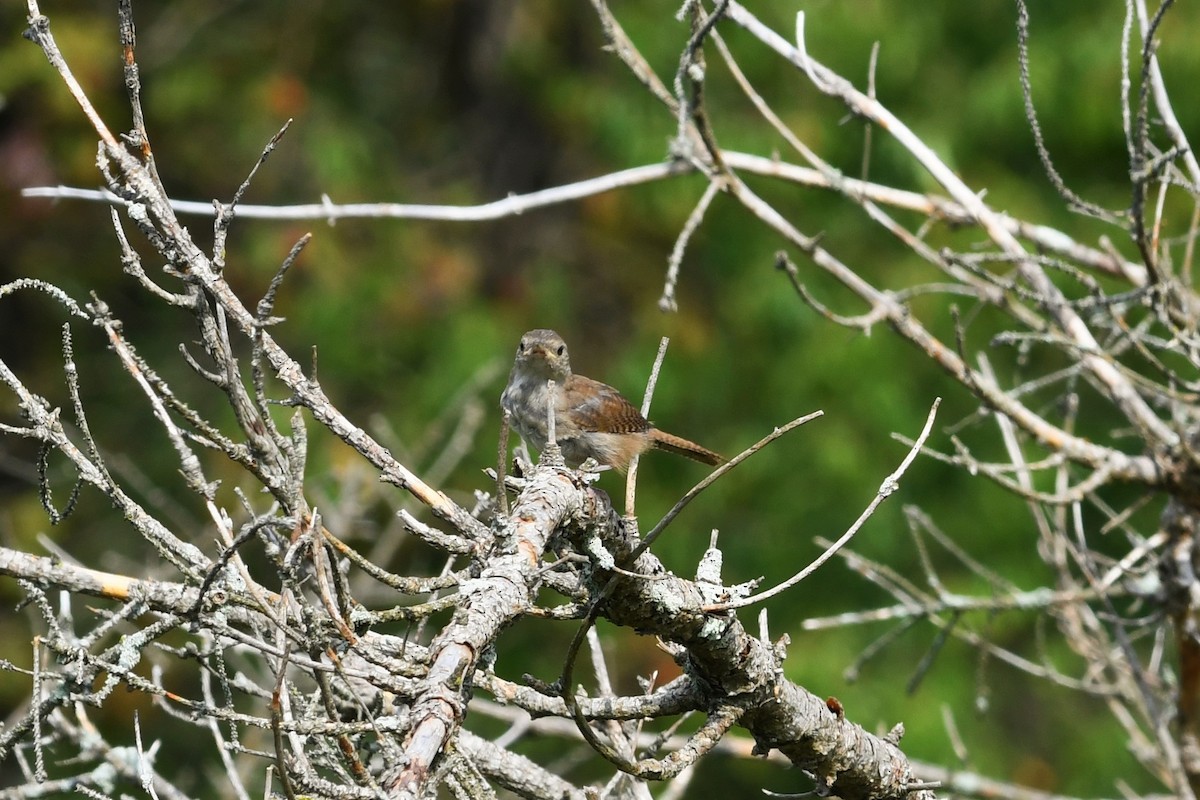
465, 102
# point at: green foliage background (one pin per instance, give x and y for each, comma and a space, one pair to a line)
464, 102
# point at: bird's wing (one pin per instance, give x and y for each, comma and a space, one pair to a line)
596, 406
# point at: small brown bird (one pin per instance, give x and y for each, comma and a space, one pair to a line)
591, 419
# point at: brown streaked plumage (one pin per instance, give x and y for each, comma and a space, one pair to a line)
591, 419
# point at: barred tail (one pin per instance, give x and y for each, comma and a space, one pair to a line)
682, 447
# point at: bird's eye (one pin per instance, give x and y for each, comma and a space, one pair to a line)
521, 346
561, 349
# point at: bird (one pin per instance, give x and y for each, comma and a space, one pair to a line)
591, 419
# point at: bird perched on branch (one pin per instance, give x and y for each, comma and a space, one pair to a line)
591, 419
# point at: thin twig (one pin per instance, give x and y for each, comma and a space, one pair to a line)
715, 475
890, 484
647, 398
